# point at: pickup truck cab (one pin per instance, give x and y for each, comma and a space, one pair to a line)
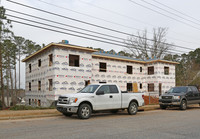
99, 97
180, 96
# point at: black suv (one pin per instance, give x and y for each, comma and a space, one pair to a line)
180, 96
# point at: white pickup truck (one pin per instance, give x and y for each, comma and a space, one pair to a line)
99, 97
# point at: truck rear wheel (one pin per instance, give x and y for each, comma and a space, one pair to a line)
133, 108
84, 111
183, 105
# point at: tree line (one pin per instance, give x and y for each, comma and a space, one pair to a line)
12, 48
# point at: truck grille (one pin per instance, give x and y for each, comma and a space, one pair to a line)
63, 100
166, 97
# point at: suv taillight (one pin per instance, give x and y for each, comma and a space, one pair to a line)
143, 96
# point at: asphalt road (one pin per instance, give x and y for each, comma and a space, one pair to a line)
159, 124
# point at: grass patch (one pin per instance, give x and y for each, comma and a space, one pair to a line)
23, 107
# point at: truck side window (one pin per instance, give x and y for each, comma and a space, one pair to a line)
113, 89
105, 89
189, 89
194, 89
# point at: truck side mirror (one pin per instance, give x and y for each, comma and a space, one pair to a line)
100, 93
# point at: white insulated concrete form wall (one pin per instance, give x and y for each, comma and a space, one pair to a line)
70, 79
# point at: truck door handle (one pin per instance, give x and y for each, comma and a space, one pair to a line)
111, 96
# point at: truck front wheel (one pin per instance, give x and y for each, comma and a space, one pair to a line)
84, 111
133, 108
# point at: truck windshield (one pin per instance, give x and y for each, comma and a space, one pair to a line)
89, 89
178, 90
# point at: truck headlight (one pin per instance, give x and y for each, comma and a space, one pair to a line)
160, 97
176, 97
73, 100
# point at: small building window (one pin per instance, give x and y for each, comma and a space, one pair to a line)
39, 63
102, 67
129, 87
140, 85
29, 68
150, 70
50, 84
140, 69
29, 101
150, 87
29, 86
50, 59
166, 70
39, 102
39, 85
74, 60
129, 70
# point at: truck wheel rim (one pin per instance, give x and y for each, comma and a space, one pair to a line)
85, 111
133, 108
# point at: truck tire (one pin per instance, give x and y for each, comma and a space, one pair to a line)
84, 111
163, 107
132, 108
183, 105
67, 114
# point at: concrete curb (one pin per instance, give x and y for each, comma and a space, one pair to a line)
29, 116
13, 117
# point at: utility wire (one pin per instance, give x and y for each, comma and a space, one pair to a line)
117, 31
134, 19
64, 24
164, 15
176, 10
89, 15
170, 12
69, 26
138, 47
119, 45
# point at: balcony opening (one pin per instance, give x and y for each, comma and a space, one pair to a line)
129, 87
150, 70
166, 70
74, 60
129, 69
102, 67
151, 87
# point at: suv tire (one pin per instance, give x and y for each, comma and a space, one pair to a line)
183, 105
163, 107
84, 111
133, 108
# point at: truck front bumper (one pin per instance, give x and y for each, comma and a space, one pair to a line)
172, 102
69, 109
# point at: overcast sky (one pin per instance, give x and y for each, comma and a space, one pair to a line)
122, 15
